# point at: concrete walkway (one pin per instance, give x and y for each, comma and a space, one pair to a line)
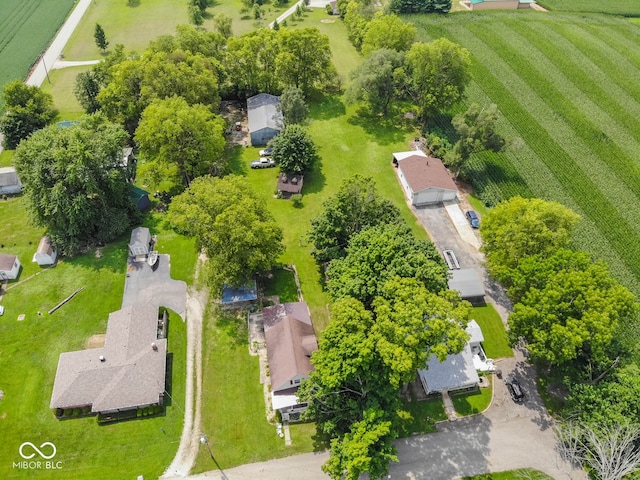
461, 224
64, 64
52, 54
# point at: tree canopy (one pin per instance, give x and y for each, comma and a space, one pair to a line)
75, 184
293, 150
439, 73
378, 254
232, 225
520, 227
172, 132
363, 358
356, 205
293, 106
388, 32
420, 6
26, 110
378, 80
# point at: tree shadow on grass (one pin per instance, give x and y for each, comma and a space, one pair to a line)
133, 3
314, 180
321, 441
233, 154
385, 130
326, 107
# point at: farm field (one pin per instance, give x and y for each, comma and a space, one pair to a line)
565, 87
627, 8
26, 28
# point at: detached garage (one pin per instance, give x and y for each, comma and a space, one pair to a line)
425, 180
9, 267
265, 118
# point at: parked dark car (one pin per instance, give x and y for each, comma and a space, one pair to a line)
515, 390
263, 163
473, 218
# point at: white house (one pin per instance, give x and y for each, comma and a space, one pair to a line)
459, 370
265, 118
9, 267
45, 254
425, 179
140, 243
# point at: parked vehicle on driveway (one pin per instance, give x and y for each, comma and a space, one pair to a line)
515, 390
263, 163
473, 218
266, 152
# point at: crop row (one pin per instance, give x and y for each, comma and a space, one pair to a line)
545, 132
13, 22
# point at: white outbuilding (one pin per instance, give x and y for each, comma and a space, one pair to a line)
9, 267
425, 179
46, 254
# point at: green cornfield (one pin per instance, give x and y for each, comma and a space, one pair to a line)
568, 92
26, 28
627, 8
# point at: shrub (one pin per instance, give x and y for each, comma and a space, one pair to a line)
297, 200
329, 9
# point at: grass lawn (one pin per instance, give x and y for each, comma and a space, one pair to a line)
29, 351
61, 88
283, 284
424, 415
523, 473
233, 413
133, 26
244, 22
26, 28
6, 158
476, 401
496, 344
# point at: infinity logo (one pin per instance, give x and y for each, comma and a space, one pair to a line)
46, 457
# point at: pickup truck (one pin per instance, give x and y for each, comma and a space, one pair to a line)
263, 163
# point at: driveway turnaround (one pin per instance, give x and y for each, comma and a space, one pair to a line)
146, 286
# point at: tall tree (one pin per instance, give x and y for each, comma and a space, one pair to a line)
356, 206
388, 32
293, 106
573, 318
439, 74
189, 136
231, 225
378, 80
75, 184
364, 358
293, 150
357, 15
521, 227
222, 23
137, 82
26, 110
304, 60
378, 254
476, 129
100, 37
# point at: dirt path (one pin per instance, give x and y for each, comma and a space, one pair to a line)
190, 439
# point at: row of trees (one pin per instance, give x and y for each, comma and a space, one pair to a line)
391, 311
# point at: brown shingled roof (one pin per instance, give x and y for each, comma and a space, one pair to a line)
423, 172
6, 261
290, 183
132, 373
290, 340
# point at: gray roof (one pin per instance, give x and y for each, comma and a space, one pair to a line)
8, 176
263, 112
475, 332
457, 371
290, 340
6, 262
140, 237
468, 282
132, 373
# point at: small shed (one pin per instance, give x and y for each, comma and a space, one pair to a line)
9, 182
425, 179
289, 184
467, 281
140, 243
45, 254
129, 163
265, 118
9, 267
140, 197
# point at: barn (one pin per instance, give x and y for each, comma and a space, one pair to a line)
9, 267
265, 118
425, 180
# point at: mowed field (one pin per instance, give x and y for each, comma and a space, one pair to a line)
26, 28
627, 8
567, 88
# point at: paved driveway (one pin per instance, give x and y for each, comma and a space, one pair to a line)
144, 286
